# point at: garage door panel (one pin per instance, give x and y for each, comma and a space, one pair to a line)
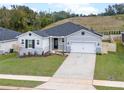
83, 47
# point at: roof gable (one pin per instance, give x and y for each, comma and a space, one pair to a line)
27, 34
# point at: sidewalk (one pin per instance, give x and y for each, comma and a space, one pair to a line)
15, 88
66, 84
108, 83
24, 77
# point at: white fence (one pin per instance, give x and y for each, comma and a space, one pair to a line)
106, 47
111, 37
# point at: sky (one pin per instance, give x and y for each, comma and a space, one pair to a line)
86, 8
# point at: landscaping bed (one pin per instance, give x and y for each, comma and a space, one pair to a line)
39, 66
111, 65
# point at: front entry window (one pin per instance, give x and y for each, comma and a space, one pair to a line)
30, 44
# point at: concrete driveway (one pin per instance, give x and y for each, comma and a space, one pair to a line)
75, 73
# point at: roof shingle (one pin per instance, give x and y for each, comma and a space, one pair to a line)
63, 30
6, 34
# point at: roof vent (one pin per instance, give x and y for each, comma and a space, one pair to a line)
83, 33
29, 34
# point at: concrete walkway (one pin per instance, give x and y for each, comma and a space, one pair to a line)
76, 72
24, 77
108, 83
15, 88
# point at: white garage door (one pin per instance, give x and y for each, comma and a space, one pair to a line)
83, 47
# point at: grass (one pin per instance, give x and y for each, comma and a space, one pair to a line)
7, 56
108, 88
99, 23
110, 66
19, 83
39, 66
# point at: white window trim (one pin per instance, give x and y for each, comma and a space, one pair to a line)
30, 43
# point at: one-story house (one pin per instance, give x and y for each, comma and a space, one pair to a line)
7, 40
67, 37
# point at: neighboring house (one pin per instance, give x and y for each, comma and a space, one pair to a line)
7, 40
122, 37
67, 37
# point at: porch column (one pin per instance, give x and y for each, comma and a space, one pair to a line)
50, 43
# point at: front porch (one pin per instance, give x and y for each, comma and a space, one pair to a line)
57, 44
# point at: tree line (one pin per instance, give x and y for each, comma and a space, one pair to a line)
22, 18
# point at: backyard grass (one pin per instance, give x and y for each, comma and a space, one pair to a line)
19, 83
108, 88
39, 66
110, 66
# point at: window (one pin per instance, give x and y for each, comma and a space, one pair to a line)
38, 42
30, 44
98, 44
62, 39
22, 41
83, 33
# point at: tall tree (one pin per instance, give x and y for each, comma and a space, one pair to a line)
109, 10
22, 18
114, 9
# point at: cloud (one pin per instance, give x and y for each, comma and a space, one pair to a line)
8, 5
35, 9
84, 8
78, 8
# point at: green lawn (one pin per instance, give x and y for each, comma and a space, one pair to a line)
110, 66
19, 83
108, 88
4, 57
44, 66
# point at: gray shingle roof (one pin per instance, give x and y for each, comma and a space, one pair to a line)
41, 33
6, 34
63, 30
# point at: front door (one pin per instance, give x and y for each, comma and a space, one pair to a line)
55, 43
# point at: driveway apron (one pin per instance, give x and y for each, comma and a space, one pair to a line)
75, 73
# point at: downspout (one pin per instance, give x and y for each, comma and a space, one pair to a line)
66, 44
63, 44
